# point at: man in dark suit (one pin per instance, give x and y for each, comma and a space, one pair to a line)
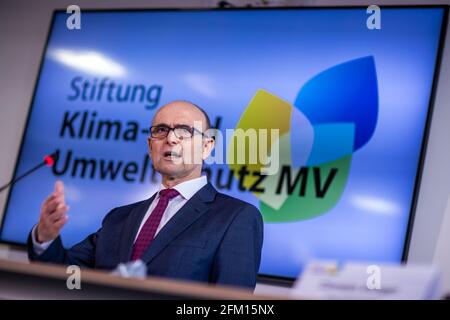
187, 230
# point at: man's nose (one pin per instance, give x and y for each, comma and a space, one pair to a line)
172, 138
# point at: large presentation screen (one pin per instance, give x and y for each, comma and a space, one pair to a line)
350, 104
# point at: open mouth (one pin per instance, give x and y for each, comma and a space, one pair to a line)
171, 155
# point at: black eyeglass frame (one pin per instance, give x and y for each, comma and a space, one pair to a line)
192, 131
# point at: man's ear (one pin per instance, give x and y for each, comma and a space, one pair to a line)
208, 146
149, 143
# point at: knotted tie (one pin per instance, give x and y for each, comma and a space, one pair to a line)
150, 226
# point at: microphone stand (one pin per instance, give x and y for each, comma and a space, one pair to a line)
48, 160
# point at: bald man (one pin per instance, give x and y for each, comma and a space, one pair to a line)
187, 230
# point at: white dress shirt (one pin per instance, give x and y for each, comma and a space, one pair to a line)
186, 189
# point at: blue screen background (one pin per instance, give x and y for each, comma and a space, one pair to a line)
219, 59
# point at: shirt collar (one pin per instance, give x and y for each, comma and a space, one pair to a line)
187, 189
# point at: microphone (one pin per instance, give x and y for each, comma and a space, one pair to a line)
49, 160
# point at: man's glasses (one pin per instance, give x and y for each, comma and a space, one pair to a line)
180, 131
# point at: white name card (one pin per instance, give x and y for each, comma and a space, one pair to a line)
326, 280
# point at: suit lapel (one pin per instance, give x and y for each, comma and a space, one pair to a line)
188, 214
131, 228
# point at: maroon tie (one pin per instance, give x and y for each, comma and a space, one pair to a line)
150, 226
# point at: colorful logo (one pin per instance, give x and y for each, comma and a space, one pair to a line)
334, 115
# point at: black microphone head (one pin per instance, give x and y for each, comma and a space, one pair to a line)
55, 155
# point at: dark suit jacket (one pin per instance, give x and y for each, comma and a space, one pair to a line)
212, 238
